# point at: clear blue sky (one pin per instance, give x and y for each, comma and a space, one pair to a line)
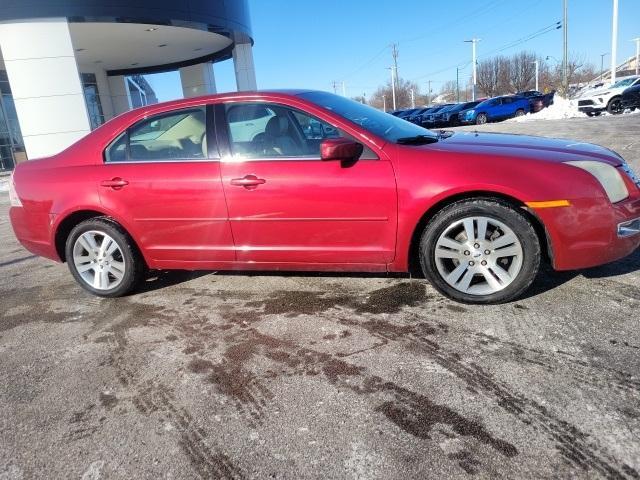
303, 44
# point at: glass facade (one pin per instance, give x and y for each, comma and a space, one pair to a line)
11, 144
92, 99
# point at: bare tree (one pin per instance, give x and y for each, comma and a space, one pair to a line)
488, 76
522, 71
403, 95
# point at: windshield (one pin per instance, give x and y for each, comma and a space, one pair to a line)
380, 124
488, 103
624, 83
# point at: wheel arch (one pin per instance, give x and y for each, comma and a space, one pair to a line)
432, 211
71, 219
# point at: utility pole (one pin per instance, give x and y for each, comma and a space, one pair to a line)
637, 40
602, 55
473, 42
458, 84
565, 49
393, 86
429, 93
335, 87
536, 63
344, 89
413, 99
614, 42
384, 103
394, 54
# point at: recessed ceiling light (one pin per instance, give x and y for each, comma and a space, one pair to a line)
151, 29
162, 45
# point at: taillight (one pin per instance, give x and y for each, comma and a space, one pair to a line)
13, 195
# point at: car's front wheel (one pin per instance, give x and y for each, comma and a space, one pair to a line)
480, 251
103, 258
519, 113
481, 119
615, 106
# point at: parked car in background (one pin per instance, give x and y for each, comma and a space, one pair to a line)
495, 110
631, 97
167, 187
427, 119
538, 100
407, 112
414, 117
448, 117
607, 98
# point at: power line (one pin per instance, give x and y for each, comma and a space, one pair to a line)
511, 44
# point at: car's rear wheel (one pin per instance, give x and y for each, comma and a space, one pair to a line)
615, 106
480, 251
481, 119
519, 113
103, 258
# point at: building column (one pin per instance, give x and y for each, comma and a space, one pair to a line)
120, 98
245, 70
198, 80
45, 82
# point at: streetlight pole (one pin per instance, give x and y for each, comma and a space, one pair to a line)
614, 42
637, 40
602, 55
384, 103
413, 99
458, 84
565, 49
473, 42
537, 64
393, 86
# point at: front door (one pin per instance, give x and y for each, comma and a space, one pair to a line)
287, 206
162, 179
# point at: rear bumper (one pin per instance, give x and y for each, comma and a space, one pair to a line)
33, 232
592, 232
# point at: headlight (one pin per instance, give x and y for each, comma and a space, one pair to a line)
608, 176
470, 113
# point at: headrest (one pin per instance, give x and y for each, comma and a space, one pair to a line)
277, 126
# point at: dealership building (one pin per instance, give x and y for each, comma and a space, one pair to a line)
67, 66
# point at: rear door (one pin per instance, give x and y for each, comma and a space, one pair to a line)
287, 206
162, 178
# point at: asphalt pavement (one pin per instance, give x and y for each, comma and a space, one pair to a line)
215, 375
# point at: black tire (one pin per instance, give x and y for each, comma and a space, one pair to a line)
134, 263
481, 119
519, 112
614, 107
496, 209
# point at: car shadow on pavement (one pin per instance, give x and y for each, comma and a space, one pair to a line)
548, 279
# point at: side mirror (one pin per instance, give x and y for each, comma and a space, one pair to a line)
341, 149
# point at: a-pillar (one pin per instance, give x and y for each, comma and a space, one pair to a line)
43, 74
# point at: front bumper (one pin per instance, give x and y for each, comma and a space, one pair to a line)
592, 232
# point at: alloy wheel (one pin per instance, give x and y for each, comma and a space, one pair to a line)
98, 260
478, 255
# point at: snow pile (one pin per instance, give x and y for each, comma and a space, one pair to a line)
4, 183
561, 108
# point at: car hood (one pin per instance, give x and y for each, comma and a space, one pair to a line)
525, 146
601, 91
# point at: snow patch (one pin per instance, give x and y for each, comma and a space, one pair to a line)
561, 108
4, 184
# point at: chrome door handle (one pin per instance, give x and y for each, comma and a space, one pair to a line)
116, 183
248, 181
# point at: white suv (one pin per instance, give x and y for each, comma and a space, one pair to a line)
594, 102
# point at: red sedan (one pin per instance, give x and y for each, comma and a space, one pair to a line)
305, 180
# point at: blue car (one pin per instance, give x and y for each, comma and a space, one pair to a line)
495, 110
